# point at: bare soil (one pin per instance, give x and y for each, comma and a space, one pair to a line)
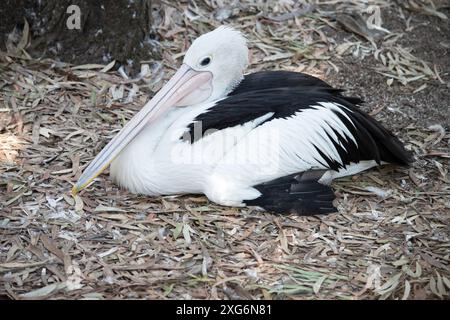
430, 41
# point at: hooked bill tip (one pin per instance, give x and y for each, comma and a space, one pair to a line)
74, 190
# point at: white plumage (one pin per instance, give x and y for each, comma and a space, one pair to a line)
261, 131
227, 163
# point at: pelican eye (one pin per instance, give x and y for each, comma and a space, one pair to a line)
205, 61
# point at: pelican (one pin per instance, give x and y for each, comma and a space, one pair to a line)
270, 139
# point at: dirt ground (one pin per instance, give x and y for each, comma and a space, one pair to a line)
390, 239
430, 41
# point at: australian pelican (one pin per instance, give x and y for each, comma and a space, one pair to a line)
271, 139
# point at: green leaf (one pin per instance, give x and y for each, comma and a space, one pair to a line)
177, 230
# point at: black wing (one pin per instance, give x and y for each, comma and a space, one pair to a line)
286, 93
286, 79
296, 193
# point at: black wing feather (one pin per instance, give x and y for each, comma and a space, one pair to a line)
297, 193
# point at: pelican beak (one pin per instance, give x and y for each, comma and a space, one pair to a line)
186, 87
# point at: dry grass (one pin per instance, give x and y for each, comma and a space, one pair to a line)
390, 239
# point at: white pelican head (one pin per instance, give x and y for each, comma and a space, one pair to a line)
212, 66
222, 52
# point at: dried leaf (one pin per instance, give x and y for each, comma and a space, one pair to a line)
109, 66
78, 203
389, 285
177, 230
44, 291
407, 290
102, 208
186, 234
318, 284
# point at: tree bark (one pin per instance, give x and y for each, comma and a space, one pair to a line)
118, 30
